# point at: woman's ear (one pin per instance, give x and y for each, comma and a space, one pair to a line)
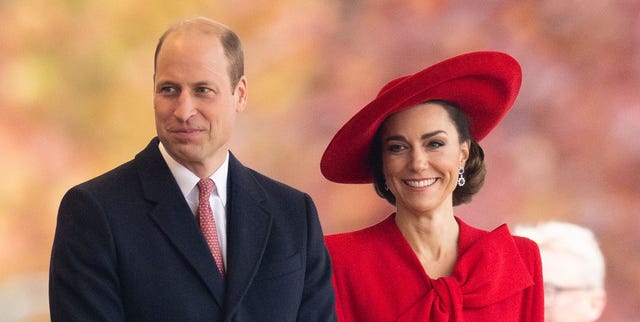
464, 152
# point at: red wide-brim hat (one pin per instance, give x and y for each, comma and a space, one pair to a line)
483, 84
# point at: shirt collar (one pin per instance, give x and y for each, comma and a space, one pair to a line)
187, 180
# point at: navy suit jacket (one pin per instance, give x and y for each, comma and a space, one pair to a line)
128, 248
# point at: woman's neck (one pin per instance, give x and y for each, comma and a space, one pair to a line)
433, 237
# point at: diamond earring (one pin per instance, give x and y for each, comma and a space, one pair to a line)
461, 180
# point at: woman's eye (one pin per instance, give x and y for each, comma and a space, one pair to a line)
395, 148
435, 144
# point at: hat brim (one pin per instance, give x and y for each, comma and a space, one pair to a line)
483, 84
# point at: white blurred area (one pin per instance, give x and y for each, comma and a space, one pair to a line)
24, 298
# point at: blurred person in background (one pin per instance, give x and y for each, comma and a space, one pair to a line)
417, 142
185, 232
573, 268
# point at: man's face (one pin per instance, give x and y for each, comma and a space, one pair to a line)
195, 104
568, 297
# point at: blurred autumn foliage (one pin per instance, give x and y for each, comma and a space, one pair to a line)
76, 88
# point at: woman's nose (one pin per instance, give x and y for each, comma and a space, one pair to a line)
418, 160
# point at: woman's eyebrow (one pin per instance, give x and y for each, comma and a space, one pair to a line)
431, 134
423, 137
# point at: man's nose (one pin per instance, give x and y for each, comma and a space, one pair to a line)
185, 107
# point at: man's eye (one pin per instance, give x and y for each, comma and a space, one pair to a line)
203, 90
167, 90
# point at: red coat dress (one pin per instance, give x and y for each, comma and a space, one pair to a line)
378, 277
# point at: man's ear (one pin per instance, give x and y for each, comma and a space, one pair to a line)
597, 303
241, 94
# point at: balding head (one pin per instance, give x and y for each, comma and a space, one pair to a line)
211, 31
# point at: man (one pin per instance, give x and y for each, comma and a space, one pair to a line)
128, 245
573, 268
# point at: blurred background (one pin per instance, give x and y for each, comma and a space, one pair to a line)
76, 93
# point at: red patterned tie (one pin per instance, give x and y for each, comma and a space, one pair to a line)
208, 224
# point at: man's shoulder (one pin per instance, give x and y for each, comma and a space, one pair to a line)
272, 185
269, 184
113, 177
126, 172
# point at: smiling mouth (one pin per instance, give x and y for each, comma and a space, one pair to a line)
420, 183
185, 130
185, 135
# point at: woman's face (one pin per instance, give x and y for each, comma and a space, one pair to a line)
421, 154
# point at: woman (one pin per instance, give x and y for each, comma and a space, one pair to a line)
417, 142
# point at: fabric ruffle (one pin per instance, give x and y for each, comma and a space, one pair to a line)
480, 278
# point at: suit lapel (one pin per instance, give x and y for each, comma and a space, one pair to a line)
173, 216
248, 227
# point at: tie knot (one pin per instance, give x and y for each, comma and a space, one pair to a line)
205, 185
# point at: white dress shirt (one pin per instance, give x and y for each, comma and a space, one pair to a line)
188, 183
